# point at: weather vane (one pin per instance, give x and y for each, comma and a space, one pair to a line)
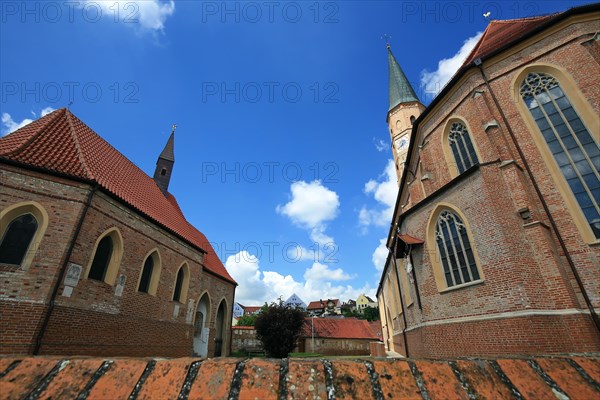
387, 39
173, 128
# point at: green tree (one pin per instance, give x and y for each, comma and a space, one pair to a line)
247, 320
278, 328
371, 313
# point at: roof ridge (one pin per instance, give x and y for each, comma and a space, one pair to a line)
39, 131
80, 155
532, 18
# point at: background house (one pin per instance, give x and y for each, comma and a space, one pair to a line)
338, 336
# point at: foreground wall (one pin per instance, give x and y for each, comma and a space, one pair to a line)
228, 378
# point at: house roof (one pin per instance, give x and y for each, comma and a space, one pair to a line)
315, 305
251, 309
338, 328
565, 377
502, 32
61, 143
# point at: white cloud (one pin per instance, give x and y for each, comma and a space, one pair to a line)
9, 125
149, 15
434, 82
321, 272
384, 191
311, 206
380, 255
381, 145
257, 287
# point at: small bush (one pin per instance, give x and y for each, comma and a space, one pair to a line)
278, 328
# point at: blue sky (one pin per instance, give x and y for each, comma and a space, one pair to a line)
282, 146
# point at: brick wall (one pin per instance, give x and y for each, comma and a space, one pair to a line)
95, 320
525, 270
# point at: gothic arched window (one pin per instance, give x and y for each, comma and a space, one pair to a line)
462, 147
17, 238
454, 247
569, 141
182, 283
146, 275
101, 259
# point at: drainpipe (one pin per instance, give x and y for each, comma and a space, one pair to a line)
400, 295
230, 327
61, 273
542, 200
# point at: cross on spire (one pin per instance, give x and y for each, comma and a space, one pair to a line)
173, 128
387, 39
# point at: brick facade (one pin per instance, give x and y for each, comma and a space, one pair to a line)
528, 301
95, 320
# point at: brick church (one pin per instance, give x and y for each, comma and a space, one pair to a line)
494, 247
96, 257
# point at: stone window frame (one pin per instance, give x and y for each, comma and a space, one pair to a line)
184, 285
112, 270
448, 153
588, 117
14, 211
155, 275
434, 255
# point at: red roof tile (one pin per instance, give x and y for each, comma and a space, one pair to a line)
316, 305
221, 378
61, 143
338, 328
500, 33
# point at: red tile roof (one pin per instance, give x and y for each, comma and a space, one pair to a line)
338, 328
316, 305
222, 378
251, 309
59, 142
500, 33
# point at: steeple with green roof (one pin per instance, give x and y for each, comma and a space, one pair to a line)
400, 90
404, 109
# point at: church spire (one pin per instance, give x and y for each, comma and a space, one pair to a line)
400, 90
164, 164
404, 109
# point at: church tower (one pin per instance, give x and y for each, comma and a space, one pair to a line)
404, 108
164, 164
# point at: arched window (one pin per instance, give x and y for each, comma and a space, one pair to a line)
462, 147
102, 258
150, 273
454, 248
106, 258
17, 239
181, 284
569, 141
146, 275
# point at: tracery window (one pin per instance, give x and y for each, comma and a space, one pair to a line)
569, 141
462, 147
454, 247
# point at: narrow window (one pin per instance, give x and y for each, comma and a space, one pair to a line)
17, 239
146, 275
412, 119
178, 285
101, 259
454, 247
462, 147
569, 141
163, 172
